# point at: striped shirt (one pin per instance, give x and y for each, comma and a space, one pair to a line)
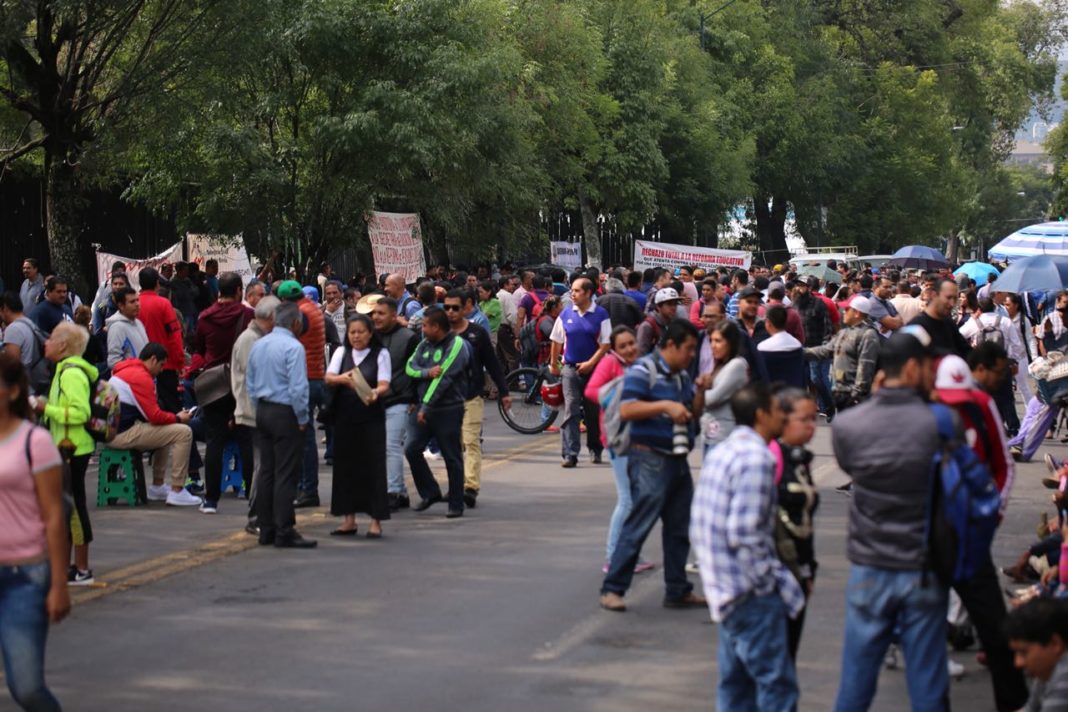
732, 526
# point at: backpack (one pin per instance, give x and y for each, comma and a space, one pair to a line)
531, 341
536, 310
41, 370
105, 410
657, 329
964, 508
990, 332
610, 396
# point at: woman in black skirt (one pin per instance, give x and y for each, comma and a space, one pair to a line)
359, 429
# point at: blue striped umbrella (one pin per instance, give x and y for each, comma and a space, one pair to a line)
1049, 238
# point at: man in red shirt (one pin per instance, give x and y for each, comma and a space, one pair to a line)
966, 387
162, 326
314, 341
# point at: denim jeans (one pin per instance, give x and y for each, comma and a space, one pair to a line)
819, 374
876, 600
443, 425
756, 671
23, 629
577, 408
660, 488
309, 478
396, 428
623, 502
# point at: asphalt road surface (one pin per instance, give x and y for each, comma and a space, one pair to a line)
494, 611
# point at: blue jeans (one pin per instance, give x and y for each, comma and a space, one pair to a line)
23, 629
623, 502
660, 488
876, 600
819, 373
309, 478
756, 671
396, 427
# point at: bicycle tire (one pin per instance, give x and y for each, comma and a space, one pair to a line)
526, 415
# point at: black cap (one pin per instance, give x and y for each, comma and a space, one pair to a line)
751, 291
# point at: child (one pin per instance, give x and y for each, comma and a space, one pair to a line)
1038, 635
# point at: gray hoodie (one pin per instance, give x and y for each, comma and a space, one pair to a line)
126, 338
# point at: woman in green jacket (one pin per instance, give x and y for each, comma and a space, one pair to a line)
67, 411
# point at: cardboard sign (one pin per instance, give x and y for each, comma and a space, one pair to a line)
104, 260
229, 251
397, 244
566, 254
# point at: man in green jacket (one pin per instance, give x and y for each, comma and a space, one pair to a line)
439, 369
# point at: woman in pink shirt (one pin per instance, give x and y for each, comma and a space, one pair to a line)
33, 541
624, 351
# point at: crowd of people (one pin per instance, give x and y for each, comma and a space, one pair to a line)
651, 363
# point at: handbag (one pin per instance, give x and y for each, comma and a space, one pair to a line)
213, 384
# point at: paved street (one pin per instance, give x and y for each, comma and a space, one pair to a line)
496, 611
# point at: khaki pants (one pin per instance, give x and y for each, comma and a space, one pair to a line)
173, 440
471, 438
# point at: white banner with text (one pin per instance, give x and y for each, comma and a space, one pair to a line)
104, 260
397, 244
566, 254
661, 254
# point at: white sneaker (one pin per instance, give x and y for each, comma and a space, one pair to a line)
431, 455
158, 493
208, 508
955, 670
182, 498
692, 568
890, 661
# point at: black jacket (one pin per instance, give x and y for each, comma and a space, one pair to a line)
400, 343
483, 360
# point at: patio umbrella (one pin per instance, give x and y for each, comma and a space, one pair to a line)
918, 257
1049, 238
821, 271
1040, 272
977, 271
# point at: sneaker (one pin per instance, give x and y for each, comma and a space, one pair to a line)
182, 498
890, 661
552, 429
1017, 453
158, 493
75, 577
194, 486
431, 455
209, 508
955, 669
604, 568
692, 568
644, 566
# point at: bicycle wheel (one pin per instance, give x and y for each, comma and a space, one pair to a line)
527, 415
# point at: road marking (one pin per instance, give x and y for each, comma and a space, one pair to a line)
149, 571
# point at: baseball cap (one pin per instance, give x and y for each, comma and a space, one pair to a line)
953, 380
813, 282
290, 290
861, 304
667, 294
751, 291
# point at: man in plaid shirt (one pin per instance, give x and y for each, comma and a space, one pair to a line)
750, 592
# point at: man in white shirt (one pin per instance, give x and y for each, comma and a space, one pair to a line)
991, 326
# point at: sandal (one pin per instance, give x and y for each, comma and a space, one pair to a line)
344, 532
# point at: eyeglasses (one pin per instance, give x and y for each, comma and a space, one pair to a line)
451, 307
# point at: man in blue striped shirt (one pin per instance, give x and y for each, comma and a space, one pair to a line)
738, 283
277, 383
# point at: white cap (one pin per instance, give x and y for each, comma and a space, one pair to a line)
861, 304
953, 374
667, 294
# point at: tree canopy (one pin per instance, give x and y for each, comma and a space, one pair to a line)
871, 124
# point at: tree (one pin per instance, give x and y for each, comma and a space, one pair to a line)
78, 69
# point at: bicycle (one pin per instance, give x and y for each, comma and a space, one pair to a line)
528, 415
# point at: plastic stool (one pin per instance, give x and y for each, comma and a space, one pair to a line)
119, 479
232, 474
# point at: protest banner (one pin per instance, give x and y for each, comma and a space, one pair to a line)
566, 254
229, 251
397, 244
104, 260
661, 254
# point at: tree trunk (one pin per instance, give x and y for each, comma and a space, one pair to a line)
591, 235
62, 219
771, 226
952, 246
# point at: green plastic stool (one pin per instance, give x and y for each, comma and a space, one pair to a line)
118, 479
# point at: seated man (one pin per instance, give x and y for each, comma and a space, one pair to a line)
1038, 635
783, 354
145, 426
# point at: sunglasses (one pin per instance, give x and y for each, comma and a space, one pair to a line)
451, 307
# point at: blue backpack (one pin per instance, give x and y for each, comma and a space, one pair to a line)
964, 509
